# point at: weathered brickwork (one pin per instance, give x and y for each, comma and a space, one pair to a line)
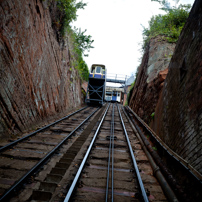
36, 79
178, 114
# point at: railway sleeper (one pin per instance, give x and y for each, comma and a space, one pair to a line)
63, 165
21, 158
107, 145
69, 155
48, 186
58, 171
54, 178
38, 195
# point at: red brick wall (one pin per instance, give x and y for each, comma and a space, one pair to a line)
178, 117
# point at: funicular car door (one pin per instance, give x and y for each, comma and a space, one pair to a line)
114, 96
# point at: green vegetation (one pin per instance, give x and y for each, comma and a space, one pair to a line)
154, 148
167, 26
152, 115
68, 9
84, 42
129, 93
79, 41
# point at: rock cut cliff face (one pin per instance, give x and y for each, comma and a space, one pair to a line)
178, 106
36, 76
150, 78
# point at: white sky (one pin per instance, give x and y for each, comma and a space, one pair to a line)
115, 26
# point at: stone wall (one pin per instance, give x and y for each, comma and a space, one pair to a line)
178, 117
36, 79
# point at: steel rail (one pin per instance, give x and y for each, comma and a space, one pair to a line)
113, 157
170, 152
39, 130
144, 195
181, 192
110, 159
108, 167
42, 161
156, 170
71, 189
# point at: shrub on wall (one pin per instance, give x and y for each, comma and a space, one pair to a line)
130, 93
68, 9
80, 42
167, 26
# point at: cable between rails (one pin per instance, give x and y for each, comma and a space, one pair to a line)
113, 156
111, 159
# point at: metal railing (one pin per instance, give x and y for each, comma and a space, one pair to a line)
116, 78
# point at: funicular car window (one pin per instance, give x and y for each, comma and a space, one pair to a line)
98, 70
93, 70
109, 93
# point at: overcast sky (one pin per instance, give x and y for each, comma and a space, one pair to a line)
115, 25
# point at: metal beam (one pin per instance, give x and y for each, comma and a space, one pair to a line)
115, 81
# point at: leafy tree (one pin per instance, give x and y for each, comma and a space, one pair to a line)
83, 41
166, 4
68, 9
167, 26
80, 41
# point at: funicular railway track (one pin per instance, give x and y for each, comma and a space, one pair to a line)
19, 160
104, 161
109, 170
